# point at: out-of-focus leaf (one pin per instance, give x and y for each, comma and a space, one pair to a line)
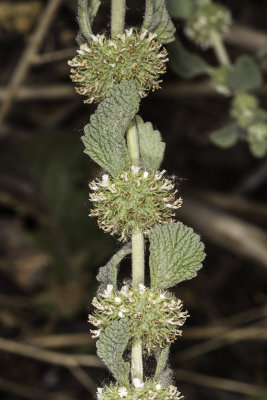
226, 136
245, 75
184, 63
180, 8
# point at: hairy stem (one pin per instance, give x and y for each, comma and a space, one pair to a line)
220, 49
117, 17
138, 255
133, 144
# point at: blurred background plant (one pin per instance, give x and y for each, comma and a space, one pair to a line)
50, 251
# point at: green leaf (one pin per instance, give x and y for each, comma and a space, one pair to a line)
245, 75
111, 346
226, 136
184, 63
258, 147
162, 362
176, 254
108, 273
104, 137
180, 8
87, 10
151, 146
157, 20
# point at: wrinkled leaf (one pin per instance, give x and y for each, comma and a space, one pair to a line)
87, 10
157, 20
111, 346
104, 137
184, 63
151, 146
180, 8
108, 273
245, 75
176, 254
226, 136
162, 361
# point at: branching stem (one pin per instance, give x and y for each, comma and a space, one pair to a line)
117, 17
220, 49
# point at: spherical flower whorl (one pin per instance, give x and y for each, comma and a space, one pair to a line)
104, 62
156, 317
133, 200
208, 19
244, 109
149, 390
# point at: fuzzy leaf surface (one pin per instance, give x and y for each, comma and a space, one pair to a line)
184, 63
162, 361
111, 346
151, 146
104, 137
87, 10
176, 254
246, 75
108, 273
226, 136
157, 20
180, 8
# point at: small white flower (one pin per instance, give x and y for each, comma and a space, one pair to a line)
117, 300
122, 392
145, 174
105, 179
143, 34
142, 288
95, 38
162, 296
158, 386
99, 393
129, 32
124, 290
135, 169
138, 384
95, 333
107, 291
120, 314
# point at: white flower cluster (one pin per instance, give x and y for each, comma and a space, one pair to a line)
134, 200
154, 316
138, 391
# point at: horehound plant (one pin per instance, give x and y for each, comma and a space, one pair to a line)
206, 23
133, 200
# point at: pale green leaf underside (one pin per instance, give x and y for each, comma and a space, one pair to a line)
104, 137
87, 10
150, 143
226, 136
176, 254
108, 273
246, 75
111, 346
180, 8
157, 20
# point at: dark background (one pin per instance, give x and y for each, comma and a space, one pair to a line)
50, 250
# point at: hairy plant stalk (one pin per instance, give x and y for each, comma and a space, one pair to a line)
220, 49
117, 17
138, 251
